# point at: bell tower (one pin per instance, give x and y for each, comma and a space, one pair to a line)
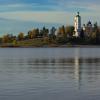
77, 24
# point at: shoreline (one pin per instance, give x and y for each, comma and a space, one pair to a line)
57, 46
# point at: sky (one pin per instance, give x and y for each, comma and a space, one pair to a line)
23, 15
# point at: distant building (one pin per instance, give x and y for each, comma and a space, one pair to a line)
84, 27
89, 24
88, 28
77, 24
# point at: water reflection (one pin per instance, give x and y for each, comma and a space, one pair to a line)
74, 67
77, 66
64, 61
61, 72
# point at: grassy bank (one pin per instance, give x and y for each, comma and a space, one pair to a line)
41, 43
31, 43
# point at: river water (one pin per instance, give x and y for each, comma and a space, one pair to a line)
50, 73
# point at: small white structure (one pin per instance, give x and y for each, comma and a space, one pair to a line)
77, 24
84, 27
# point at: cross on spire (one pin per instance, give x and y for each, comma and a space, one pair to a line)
78, 13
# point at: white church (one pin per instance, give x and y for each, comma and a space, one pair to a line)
77, 25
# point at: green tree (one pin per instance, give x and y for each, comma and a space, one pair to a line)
97, 33
44, 32
52, 33
82, 34
95, 26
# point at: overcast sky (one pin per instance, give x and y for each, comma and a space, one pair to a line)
47, 12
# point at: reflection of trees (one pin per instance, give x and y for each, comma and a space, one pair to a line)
64, 61
82, 69
79, 67
88, 65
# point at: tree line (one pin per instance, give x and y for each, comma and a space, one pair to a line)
61, 35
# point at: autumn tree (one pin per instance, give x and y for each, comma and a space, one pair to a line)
20, 36
37, 32
61, 35
61, 31
8, 38
5, 39
69, 31
30, 35
33, 33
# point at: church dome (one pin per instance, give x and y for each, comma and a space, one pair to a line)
89, 23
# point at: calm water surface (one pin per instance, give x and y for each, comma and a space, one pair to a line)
50, 73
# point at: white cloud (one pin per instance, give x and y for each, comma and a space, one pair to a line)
42, 16
84, 6
28, 7
49, 16
62, 13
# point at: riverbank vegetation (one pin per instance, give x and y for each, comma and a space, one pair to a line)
53, 37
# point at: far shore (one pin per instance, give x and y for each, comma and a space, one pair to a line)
54, 46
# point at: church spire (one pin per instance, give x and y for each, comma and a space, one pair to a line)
78, 13
77, 24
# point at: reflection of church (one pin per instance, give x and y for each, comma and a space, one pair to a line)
85, 68
77, 71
